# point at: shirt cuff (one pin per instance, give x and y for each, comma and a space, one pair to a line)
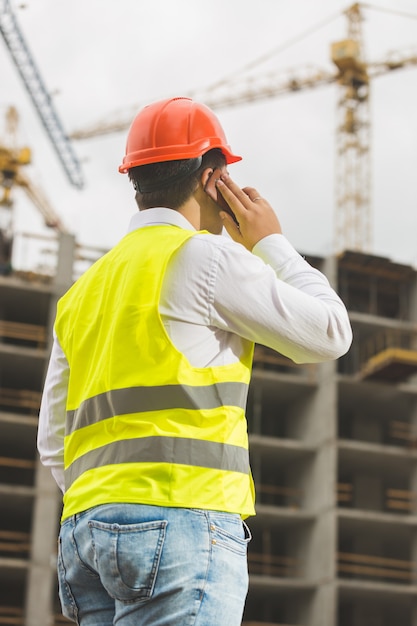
276, 251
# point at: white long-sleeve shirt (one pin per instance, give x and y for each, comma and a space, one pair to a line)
215, 295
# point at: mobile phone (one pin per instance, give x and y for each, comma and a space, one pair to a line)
212, 191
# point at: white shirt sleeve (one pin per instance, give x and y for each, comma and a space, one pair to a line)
271, 296
51, 429
279, 300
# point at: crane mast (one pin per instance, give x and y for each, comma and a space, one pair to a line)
38, 93
352, 227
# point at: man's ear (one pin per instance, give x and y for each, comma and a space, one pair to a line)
205, 175
210, 189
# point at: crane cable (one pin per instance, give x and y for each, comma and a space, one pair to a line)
386, 10
275, 51
281, 48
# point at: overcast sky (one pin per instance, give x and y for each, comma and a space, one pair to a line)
101, 59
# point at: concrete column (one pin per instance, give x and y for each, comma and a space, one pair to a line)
413, 488
42, 577
317, 546
65, 265
413, 471
41, 581
321, 561
323, 608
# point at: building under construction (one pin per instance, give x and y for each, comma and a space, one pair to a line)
333, 452
333, 446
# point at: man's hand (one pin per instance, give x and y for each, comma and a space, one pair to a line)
255, 216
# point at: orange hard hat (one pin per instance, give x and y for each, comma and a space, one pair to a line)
173, 129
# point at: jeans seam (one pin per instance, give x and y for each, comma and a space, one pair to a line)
74, 606
209, 562
84, 566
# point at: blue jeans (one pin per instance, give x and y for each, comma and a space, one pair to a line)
140, 565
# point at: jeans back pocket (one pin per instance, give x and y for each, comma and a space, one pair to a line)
127, 557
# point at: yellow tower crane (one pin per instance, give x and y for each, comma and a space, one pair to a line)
352, 75
11, 157
13, 160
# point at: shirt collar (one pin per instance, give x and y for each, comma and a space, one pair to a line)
158, 216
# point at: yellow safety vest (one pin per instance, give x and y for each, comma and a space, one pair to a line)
143, 425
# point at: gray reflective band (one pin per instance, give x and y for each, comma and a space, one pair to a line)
140, 399
175, 450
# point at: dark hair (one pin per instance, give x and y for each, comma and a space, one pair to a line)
156, 177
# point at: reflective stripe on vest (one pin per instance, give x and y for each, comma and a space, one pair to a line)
134, 399
193, 452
